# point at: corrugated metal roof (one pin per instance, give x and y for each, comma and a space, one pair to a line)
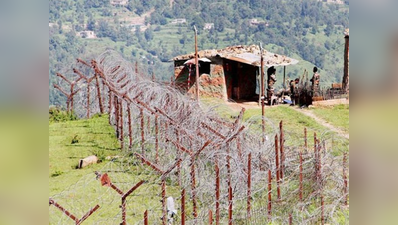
244, 54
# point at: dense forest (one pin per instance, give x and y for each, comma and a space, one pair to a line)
149, 32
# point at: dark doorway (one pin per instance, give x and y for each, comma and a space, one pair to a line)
240, 80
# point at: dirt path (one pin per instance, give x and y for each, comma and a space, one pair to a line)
322, 122
254, 105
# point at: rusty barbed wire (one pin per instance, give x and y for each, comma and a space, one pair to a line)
164, 126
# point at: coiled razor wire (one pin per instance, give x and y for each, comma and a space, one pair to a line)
187, 123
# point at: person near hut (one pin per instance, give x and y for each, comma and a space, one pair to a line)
271, 77
315, 83
294, 90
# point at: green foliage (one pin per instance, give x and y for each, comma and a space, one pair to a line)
56, 173
100, 153
75, 139
58, 115
308, 30
97, 115
148, 34
96, 137
338, 115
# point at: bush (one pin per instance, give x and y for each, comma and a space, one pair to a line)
75, 139
58, 115
100, 153
57, 173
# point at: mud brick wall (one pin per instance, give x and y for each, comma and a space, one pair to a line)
213, 84
210, 85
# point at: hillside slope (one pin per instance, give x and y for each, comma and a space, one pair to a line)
149, 32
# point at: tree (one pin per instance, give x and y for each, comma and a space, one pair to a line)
163, 21
124, 34
183, 39
148, 34
106, 12
103, 29
71, 37
84, 35
139, 10
261, 27
198, 22
219, 24
313, 30
78, 28
329, 28
328, 45
130, 6
90, 23
81, 18
59, 22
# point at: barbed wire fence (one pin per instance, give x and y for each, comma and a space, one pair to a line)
218, 171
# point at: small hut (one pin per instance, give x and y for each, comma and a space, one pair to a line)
229, 73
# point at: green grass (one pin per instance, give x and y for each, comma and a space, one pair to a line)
337, 115
78, 191
94, 135
293, 123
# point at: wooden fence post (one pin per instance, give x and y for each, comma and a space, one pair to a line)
282, 141
183, 207
249, 170
269, 194
277, 167
217, 169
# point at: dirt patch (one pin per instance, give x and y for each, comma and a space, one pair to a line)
331, 102
237, 106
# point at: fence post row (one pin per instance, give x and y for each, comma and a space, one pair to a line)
116, 101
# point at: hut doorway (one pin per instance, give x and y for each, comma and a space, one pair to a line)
240, 81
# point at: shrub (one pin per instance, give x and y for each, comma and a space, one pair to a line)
100, 153
58, 115
57, 173
75, 139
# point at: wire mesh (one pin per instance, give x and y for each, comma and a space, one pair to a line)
164, 126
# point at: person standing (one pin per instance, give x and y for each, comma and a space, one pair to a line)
271, 81
294, 90
315, 83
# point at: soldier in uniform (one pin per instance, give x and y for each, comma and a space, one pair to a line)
271, 80
315, 83
294, 90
